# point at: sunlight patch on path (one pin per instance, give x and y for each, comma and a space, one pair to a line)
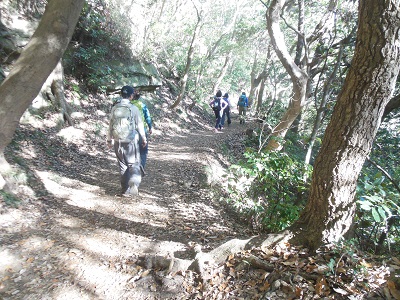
90, 272
108, 244
164, 156
67, 188
77, 193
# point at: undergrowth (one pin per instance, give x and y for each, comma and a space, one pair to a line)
269, 189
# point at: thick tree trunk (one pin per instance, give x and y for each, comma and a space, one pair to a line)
352, 129
37, 61
261, 94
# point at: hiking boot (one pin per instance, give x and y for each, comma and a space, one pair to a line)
142, 171
131, 192
134, 191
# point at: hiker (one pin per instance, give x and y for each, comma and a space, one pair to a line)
242, 105
218, 105
227, 111
125, 127
145, 114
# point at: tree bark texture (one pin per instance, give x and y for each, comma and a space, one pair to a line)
298, 76
37, 61
57, 89
349, 136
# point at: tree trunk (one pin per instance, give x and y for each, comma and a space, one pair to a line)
393, 104
349, 136
300, 38
295, 68
188, 62
57, 90
261, 93
223, 71
298, 76
37, 61
253, 83
322, 106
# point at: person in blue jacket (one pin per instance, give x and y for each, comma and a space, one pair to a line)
144, 150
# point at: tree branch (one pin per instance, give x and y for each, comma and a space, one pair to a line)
385, 173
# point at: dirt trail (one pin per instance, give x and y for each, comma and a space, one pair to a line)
80, 241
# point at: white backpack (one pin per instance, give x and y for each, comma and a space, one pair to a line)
123, 125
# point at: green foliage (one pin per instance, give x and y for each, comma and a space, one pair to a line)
378, 213
10, 199
269, 188
101, 39
345, 257
377, 220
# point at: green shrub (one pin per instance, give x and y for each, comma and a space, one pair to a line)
100, 43
377, 218
269, 189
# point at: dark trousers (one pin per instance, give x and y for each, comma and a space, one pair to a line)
128, 158
227, 114
218, 119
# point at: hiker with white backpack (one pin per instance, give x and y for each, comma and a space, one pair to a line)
125, 127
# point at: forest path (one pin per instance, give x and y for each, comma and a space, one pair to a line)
81, 241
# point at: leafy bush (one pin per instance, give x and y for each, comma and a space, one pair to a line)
101, 42
269, 189
378, 214
377, 222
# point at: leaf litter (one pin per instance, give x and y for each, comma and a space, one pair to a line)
70, 237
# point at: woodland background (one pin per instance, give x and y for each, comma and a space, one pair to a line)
197, 47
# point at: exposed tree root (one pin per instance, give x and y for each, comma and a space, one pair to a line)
204, 263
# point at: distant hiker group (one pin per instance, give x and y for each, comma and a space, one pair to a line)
221, 106
129, 128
